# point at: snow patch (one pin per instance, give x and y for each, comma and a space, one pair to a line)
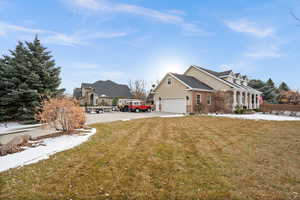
258, 116
52, 146
167, 116
14, 126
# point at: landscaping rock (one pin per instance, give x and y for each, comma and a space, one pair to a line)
14, 145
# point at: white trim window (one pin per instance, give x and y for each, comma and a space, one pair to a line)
198, 99
169, 81
209, 100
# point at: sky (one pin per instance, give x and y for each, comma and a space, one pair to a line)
122, 40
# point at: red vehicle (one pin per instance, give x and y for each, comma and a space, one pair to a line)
137, 106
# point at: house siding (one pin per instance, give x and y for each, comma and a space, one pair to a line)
207, 79
175, 90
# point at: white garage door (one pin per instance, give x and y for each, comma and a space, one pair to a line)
173, 105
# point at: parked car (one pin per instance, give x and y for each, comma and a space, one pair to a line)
139, 106
134, 105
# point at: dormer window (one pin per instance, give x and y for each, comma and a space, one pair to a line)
169, 81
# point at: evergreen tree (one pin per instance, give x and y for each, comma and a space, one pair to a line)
270, 92
27, 76
270, 83
45, 68
284, 87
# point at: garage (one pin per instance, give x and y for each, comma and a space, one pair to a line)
173, 105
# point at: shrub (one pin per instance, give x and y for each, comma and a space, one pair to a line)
199, 108
240, 109
62, 114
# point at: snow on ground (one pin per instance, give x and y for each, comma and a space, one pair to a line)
12, 126
259, 116
167, 116
52, 146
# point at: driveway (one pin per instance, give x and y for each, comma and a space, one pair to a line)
116, 116
91, 119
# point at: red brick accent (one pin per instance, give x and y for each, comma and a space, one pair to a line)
204, 98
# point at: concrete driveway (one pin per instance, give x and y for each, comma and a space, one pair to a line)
91, 119
116, 116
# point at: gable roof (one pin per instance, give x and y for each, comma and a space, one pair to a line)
218, 76
225, 73
192, 82
109, 88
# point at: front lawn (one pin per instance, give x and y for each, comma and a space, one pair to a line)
169, 158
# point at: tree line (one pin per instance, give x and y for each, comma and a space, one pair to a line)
270, 92
28, 75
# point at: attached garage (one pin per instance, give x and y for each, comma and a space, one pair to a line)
173, 105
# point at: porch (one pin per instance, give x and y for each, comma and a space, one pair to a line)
248, 99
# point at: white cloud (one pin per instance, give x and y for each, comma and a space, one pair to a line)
53, 37
80, 38
164, 17
267, 51
176, 12
6, 27
251, 28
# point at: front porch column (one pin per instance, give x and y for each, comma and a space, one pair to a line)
258, 103
246, 99
254, 102
241, 98
234, 100
250, 101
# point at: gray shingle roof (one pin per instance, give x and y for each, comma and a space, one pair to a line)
225, 73
192, 82
77, 93
109, 88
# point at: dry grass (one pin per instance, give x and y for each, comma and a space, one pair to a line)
169, 158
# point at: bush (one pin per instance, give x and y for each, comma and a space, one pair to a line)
62, 114
240, 109
198, 108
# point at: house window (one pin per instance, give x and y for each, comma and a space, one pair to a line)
169, 81
198, 99
209, 100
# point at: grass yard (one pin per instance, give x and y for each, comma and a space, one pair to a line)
169, 158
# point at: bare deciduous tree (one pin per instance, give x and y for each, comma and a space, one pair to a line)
138, 89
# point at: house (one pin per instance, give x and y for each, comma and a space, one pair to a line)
204, 90
289, 97
101, 93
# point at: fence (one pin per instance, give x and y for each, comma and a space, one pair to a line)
279, 107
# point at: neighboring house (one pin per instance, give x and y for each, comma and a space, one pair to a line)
101, 93
203, 90
289, 97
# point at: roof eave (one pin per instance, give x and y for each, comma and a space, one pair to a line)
197, 89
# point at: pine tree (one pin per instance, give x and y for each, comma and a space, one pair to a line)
45, 67
284, 87
270, 83
27, 76
270, 92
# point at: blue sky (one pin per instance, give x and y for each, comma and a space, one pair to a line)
124, 40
